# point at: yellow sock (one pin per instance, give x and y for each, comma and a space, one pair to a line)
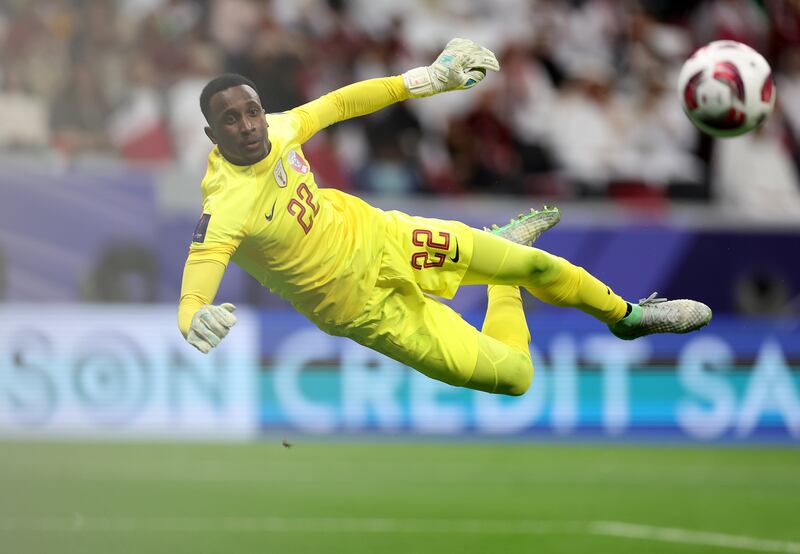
549, 278
504, 359
564, 284
505, 318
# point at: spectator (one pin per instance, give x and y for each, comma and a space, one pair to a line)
138, 127
23, 115
784, 33
393, 135
659, 141
275, 62
79, 114
788, 85
186, 122
528, 94
584, 101
740, 20
586, 129
482, 147
755, 174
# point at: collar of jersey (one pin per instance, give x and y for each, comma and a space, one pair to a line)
258, 167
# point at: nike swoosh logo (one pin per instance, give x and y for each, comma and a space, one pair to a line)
455, 258
272, 212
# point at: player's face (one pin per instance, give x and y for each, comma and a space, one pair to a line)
238, 125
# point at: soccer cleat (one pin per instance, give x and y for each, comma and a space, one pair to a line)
659, 315
526, 228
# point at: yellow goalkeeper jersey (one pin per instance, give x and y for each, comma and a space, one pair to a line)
315, 247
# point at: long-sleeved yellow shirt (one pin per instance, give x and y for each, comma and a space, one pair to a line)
315, 247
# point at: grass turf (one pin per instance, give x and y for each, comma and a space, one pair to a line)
377, 497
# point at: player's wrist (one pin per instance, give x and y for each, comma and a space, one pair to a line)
419, 82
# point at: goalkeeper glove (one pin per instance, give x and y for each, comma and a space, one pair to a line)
209, 326
461, 65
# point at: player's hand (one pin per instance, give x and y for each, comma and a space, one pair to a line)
461, 65
210, 324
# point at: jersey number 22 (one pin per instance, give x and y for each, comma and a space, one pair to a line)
298, 208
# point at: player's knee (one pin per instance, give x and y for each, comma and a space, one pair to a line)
516, 379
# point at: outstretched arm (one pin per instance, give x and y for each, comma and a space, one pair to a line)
354, 100
461, 65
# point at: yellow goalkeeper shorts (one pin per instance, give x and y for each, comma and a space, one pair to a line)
421, 256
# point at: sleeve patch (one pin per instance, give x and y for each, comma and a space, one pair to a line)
199, 234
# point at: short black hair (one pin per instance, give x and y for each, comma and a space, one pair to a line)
218, 84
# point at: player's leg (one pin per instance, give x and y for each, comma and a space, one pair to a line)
550, 278
504, 336
425, 334
505, 317
556, 281
429, 257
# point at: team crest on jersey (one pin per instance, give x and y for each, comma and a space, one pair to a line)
297, 162
280, 174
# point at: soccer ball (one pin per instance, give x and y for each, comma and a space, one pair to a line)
726, 88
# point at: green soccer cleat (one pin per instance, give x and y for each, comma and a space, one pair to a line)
526, 228
659, 315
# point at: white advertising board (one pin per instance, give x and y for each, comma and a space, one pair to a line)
122, 372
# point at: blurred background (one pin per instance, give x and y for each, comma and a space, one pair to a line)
101, 154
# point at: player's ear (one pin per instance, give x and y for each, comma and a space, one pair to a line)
210, 135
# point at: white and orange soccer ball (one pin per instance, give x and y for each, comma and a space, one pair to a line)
726, 88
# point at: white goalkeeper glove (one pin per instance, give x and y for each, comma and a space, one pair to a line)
461, 65
209, 326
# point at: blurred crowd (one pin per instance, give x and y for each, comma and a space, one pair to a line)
585, 104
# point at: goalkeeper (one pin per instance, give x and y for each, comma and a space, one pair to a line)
368, 274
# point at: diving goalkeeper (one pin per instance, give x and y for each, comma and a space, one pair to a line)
368, 274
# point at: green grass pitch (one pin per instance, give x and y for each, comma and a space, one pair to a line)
327, 497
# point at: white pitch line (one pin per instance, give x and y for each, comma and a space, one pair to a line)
688, 536
93, 524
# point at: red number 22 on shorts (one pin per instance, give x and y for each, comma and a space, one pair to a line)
425, 259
